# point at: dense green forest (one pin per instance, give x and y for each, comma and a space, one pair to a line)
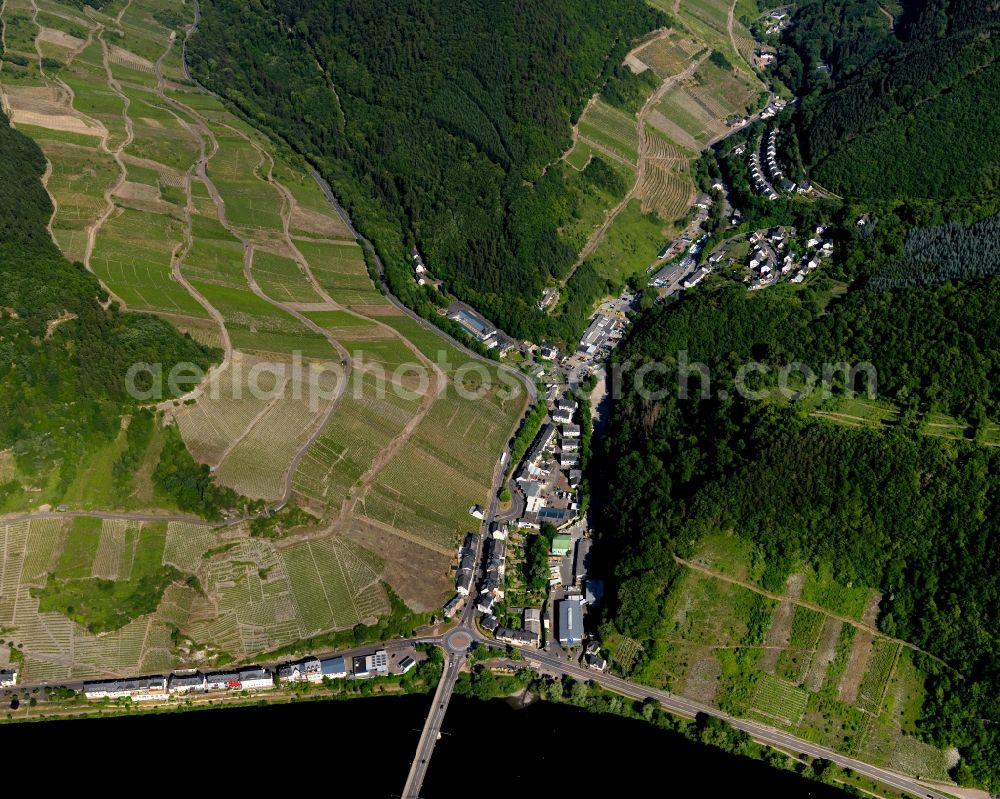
434, 124
64, 349
887, 98
942, 252
910, 514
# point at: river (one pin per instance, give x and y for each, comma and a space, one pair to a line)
364, 746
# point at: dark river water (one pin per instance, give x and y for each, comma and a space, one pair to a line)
364, 746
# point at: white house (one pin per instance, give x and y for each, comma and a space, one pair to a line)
222, 681
140, 689
562, 416
406, 664
8, 677
256, 679
186, 683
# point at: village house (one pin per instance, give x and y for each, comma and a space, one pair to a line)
406, 664
515, 637
489, 622
597, 663
486, 603
138, 689
186, 683
452, 605
222, 681
256, 679
533, 621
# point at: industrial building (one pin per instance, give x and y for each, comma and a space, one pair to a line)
570, 621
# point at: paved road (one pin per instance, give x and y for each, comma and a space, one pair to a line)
759, 732
456, 642
432, 727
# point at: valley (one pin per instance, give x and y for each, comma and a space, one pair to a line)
183, 210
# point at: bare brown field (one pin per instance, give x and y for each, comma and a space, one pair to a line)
308, 221
47, 107
670, 55
137, 191
825, 654
633, 63
59, 39
779, 633
703, 679
416, 572
861, 649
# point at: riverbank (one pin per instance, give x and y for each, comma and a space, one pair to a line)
366, 745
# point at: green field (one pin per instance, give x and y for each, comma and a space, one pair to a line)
631, 244
609, 129
282, 278
344, 324
104, 605
80, 549
592, 201
235, 169
132, 256
712, 647
161, 594
365, 424
340, 270
80, 176
779, 701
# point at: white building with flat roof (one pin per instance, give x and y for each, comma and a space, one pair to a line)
534, 501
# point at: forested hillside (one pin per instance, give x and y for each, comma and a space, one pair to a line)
434, 122
901, 111
64, 349
888, 506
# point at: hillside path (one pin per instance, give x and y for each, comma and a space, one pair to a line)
853, 622
651, 102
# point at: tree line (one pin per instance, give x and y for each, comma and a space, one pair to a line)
434, 124
897, 111
907, 513
64, 349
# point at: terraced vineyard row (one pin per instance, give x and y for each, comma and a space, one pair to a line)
182, 209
